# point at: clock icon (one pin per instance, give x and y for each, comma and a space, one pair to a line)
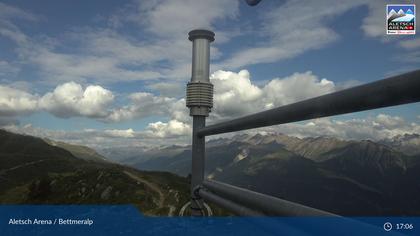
387, 226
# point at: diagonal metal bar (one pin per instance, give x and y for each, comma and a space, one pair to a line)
397, 90
268, 205
228, 204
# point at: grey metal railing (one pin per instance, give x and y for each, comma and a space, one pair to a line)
397, 90
393, 91
265, 205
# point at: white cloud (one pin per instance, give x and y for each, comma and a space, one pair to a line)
296, 87
11, 31
410, 44
9, 12
14, 102
109, 56
180, 112
409, 57
8, 28
235, 95
169, 18
374, 24
310, 31
375, 128
128, 133
142, 105
70, 99
59, 67
281, 40
173, 128
163, 134
388, 122
379, 127
90, 137
67, 100
7, 69
168, 89
167, 22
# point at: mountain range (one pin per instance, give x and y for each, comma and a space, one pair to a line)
346, 177
38, 171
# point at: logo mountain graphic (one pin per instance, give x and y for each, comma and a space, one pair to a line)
392, 13
401, 18
409, 11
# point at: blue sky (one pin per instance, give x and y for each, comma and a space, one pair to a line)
120, 67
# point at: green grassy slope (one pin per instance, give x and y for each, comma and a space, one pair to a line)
32, 171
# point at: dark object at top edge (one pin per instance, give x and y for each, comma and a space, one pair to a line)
253, 2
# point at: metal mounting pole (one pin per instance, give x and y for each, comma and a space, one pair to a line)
200, 101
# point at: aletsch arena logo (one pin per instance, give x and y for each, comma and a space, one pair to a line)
401, 18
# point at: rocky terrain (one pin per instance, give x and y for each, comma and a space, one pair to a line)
348, 177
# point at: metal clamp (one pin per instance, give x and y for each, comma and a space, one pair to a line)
196, 193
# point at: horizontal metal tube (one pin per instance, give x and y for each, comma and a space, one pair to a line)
393, 91
227, 204
268, 205
275, 224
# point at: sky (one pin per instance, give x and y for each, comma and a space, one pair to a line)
113, 73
